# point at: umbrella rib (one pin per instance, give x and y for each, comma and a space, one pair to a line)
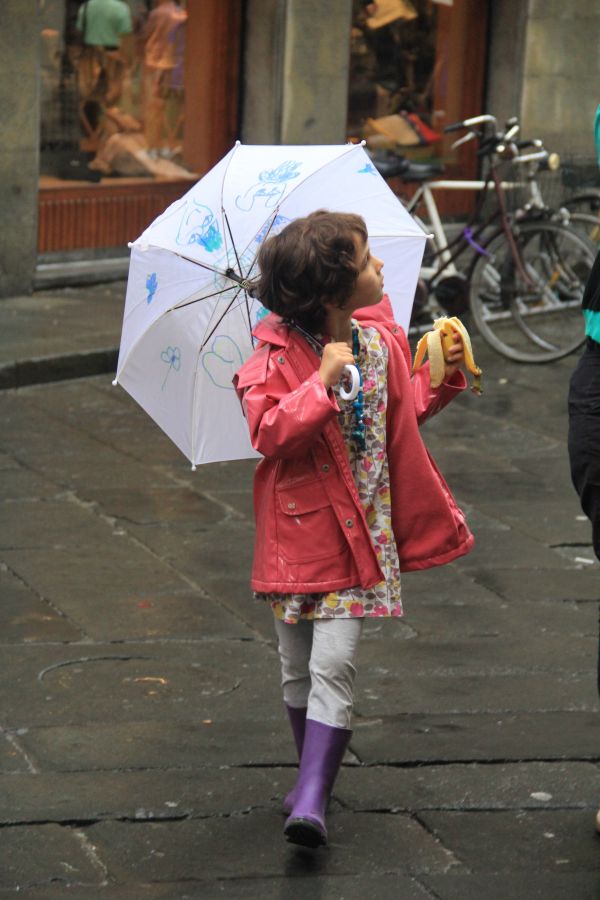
237, 259
237, 144
187, 259
230, 309
199, 299
269, 229
196, 262
182, 306
219, 320
249, 319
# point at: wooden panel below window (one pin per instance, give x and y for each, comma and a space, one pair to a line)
80, 216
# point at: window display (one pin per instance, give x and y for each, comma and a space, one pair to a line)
112, 89
392, 73
417, 66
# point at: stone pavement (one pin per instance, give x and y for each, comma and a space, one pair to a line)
144, 751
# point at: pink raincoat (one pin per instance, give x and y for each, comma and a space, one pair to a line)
311, 532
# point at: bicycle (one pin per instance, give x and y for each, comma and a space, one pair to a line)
568, 196
525, 272
583, 206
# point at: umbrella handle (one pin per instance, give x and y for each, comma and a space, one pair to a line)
354, 374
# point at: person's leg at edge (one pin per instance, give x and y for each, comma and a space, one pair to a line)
295, 644
327, 733
584, 451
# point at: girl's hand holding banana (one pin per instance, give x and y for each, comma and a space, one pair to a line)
448, 346
454, 356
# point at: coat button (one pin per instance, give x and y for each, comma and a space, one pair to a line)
325, 467
291, 506
349, 523
280, 359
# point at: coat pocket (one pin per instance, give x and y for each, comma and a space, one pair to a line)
307, 527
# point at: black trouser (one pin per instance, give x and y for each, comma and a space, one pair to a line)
584, 439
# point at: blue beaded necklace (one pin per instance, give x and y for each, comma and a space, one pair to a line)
358, 432
358, 404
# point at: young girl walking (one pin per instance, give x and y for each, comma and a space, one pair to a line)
347, 495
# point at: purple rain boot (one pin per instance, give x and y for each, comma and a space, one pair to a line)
322, 754
297, 717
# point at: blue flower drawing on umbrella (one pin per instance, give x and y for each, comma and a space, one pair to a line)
151, 287
271, 186
222, 361
199, 226
172, 356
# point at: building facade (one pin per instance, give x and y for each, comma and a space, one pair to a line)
102, 129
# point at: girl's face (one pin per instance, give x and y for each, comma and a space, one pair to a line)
368, 288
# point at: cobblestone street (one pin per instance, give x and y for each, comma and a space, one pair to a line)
145, 751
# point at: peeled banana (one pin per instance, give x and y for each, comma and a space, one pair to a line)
436, 343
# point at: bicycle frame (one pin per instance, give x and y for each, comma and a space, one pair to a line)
444, 257
515, 259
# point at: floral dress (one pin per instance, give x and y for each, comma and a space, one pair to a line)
370, 470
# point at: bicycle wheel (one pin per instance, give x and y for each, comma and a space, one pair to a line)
584, 208
586, 224
586, 202
532, 312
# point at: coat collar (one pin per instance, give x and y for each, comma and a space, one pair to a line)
273, 330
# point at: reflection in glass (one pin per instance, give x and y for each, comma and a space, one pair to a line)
392, 73
112, 88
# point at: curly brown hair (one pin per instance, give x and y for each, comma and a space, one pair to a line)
310, 263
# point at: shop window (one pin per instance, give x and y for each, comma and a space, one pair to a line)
130, 114
416, 66
112, 82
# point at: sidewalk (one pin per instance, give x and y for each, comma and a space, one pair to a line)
58, 334
143, 746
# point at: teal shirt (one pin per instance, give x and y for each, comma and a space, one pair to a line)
592, 323
105, 22
591, 302
591, 297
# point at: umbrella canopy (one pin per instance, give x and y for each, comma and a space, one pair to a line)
188, 315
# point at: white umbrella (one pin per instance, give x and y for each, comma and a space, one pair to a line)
188, 316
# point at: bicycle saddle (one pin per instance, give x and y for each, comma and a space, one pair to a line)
391, 164
421, 171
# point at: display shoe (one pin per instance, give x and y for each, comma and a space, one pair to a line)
297, 717
322, 753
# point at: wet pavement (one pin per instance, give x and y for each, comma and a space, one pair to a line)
144, 751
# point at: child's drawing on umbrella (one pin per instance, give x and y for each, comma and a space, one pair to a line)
199, 226
222, 361
151, 287
270, 187
172, 356
274, 226
241, 265
368, 169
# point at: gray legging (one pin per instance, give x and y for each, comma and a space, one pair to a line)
317, 668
